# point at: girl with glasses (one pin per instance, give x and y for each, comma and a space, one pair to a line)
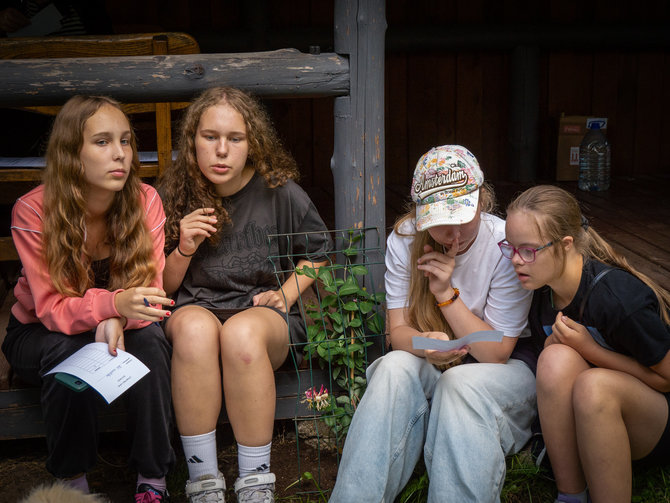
603, 376
445, 279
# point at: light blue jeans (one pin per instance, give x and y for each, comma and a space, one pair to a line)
466, 420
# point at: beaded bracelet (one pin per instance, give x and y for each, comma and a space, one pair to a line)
183, 254
449, 301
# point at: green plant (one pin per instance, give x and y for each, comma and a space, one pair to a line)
342, 319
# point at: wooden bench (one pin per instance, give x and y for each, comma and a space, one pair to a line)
20, 410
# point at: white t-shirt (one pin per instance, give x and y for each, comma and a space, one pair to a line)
486, 280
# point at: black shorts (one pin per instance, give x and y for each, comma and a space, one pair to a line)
660, 454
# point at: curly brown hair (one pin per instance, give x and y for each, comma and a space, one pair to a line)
184, 188
65, 198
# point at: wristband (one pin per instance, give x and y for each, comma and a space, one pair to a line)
183, 254
449, 301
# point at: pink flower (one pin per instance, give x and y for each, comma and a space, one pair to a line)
319, 400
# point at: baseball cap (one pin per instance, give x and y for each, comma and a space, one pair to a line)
445, 187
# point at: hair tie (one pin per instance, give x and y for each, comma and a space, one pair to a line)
585, 223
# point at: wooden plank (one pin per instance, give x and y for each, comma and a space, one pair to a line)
21, 415
147, 170
281, 73
396, 82
649, 144
495, 115
85, 45
469, 102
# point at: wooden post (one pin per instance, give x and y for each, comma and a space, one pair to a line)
358, 157
524, 139
163, 116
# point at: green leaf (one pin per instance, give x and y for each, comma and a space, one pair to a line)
350, 252
307, 271
350, 306
359, 270
376, 324
365, 306
325, 276
379, 297
355, 323
312, 331
336, 317
328, 301
349, 287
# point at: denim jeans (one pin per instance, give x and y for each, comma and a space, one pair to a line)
466, 420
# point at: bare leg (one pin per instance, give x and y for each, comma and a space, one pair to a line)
618, 418
557, 369
196, 376
253, 344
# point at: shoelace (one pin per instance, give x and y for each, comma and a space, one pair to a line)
256, 494
208, 497
148, 497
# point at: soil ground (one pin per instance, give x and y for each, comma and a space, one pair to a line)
22, 465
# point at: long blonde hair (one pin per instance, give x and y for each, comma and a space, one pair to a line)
184, 188
65, 198
424, 315
557, 214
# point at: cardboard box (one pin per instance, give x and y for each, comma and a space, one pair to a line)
571, 131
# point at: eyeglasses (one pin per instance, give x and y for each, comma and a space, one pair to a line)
526, 253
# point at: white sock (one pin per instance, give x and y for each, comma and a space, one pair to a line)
581, 497
252, 460
200, 452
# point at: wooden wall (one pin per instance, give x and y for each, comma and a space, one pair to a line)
449, 69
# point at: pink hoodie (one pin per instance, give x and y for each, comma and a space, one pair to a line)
37, 300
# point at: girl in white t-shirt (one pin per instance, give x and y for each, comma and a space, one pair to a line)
445, 279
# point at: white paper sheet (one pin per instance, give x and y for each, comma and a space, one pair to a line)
441, 345
109, 375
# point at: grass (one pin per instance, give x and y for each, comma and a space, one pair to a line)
524, 483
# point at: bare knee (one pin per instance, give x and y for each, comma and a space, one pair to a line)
242, 344
594, 394
194, 336
555, 367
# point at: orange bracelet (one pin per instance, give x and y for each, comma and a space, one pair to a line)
450, 301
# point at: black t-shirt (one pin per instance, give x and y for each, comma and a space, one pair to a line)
621, 312
229, 274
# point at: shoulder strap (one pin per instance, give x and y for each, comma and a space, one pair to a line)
598, 277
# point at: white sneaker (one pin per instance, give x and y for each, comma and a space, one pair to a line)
207, 489
256, 488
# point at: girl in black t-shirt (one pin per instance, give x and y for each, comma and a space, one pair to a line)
604, 374
232, 185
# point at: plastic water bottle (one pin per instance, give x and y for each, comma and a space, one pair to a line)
594, 160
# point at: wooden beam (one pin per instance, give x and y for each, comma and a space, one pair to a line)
276, 74
358, 157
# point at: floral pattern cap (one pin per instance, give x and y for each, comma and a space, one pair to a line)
445, 187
